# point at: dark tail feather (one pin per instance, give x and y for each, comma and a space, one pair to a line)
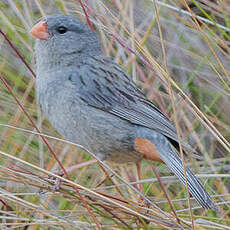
196, 189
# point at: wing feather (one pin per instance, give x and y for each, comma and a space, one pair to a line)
107, 87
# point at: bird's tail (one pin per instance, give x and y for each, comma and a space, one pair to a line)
173, 161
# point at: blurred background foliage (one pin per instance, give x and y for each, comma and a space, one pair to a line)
195, 66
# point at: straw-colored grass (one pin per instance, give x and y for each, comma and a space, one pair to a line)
179, 59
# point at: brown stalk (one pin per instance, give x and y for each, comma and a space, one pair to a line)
174, 111
86, 15
166, 194
30, 119
18, 53
48, 146
110, 178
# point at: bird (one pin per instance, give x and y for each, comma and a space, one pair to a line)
90, 100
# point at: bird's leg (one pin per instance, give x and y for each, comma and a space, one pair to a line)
140, 187
58, 182
74, 167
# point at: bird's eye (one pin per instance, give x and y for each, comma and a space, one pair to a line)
62, 30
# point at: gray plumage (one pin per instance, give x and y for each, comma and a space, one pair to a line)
91, 101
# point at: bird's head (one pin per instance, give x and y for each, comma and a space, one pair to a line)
63, 39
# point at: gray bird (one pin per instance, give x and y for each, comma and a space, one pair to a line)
91, 101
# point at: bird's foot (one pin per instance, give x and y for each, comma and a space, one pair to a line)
58, 182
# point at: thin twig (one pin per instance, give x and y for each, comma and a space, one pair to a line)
18, 53
166, 194
174, 111
49, 147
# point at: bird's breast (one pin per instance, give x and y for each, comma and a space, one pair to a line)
97, 130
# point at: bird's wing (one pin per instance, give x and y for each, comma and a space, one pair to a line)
105, 86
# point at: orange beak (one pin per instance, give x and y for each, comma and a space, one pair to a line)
40, 31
